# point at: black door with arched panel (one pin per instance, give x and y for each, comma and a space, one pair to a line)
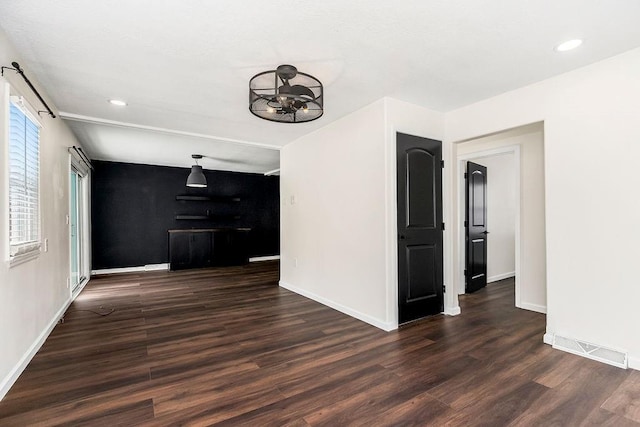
476, 227
419, 181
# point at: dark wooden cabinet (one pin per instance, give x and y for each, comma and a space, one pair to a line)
230, 247
207, 248
179, 250
200, 249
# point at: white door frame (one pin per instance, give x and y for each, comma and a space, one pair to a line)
510, 149
83, 222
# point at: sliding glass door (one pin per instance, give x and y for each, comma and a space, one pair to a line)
76, 229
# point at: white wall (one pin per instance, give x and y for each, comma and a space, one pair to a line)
333, 214
591, 134
337, 186
33, 294
531, 283
501, 215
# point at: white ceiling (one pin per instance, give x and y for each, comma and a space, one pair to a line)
184, 67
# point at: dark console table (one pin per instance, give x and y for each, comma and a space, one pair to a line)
208, 247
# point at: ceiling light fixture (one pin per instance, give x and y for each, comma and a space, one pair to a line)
568, 45
278, 95
196, 177
117, 102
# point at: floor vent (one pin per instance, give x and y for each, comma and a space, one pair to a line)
591, 351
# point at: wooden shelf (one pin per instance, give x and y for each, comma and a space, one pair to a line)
205, 217
192, 217
197, 198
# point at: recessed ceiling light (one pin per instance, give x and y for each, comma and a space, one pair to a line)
568, 45
117, 102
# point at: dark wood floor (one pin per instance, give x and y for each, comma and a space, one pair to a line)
229, 346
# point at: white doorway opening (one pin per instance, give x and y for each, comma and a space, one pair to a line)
525, 146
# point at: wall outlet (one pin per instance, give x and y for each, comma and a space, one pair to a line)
295, 262
293, 199
46, 245
68, 282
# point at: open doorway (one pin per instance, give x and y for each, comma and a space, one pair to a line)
516, 244
491, 194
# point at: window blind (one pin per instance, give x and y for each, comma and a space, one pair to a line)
24, 172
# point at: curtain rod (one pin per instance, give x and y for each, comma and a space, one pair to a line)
17, 69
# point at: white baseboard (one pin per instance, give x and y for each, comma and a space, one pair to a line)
156, 267
8, 381
160, 267
264, 258
148, 267
634, 363
452, 311
533, 307
385, 326
547, 338
502, 276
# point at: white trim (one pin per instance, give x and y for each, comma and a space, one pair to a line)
148, 267
533, 307
548, 338
272, 172
99, 121
391, 217
27, 109
510, 149
13, 375
502, 276
156, 267
25, 257
452, 311
83, 224
4, 203
80, 287
451, 302
264, 258
634, 363
385, 326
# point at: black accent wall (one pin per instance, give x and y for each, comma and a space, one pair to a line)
133, 206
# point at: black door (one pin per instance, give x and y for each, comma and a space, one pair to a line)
476, 227
420, 227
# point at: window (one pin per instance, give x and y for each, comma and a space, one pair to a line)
24, 176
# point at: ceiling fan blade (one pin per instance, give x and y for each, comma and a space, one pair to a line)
302, 90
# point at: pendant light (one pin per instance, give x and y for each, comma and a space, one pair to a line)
196, 177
